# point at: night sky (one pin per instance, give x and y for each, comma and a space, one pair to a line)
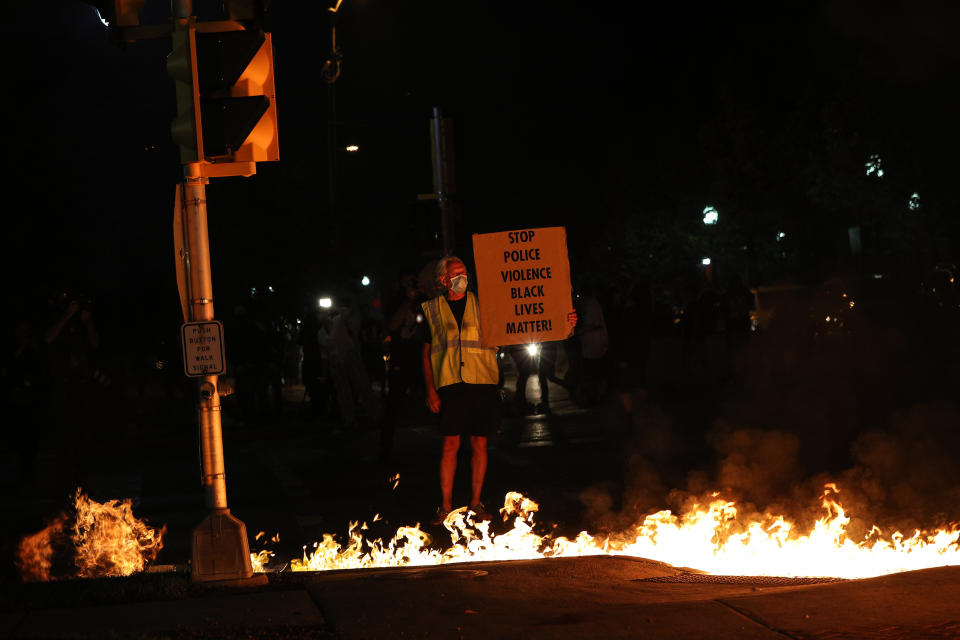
620, 121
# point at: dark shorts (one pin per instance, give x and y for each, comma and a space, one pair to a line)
469, 409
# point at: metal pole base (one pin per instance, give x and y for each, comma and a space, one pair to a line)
221, 552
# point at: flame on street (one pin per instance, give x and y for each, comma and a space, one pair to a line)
92, 540
708, 537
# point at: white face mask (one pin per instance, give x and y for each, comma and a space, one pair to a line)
458, 284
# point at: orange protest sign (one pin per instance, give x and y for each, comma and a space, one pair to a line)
523, 282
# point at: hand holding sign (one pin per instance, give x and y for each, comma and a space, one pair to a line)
523, 279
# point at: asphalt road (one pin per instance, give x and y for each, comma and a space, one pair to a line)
592, 597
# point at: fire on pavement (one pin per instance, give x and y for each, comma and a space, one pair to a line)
710, 537
107, 540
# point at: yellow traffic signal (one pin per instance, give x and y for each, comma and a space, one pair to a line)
262, 143
237, 96
226, 98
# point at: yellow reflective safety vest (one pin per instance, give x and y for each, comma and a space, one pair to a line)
457, 355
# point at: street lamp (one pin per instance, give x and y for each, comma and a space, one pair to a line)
330, 71
710, 215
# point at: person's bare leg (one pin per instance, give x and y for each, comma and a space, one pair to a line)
478, 466
448, 469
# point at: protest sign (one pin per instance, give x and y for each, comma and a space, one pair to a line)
523, 281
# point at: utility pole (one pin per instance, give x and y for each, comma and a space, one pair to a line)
330, 71
444, 176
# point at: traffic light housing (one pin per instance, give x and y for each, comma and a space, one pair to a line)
226, 98
237, 96
182, 67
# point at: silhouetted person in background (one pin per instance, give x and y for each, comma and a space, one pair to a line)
25, 387
291, 354
253, 353
370, 337
72, 339
629, 328
402, 345
594, 343
702, 326
736, 304
314, 340
349, 375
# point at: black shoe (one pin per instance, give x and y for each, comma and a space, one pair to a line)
480, 513
438, 517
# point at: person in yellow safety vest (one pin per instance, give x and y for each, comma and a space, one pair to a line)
460, 376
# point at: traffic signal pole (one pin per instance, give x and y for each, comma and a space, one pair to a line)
221, 551
200, 305
223, 77
441, 139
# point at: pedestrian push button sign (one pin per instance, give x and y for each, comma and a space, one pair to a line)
202, 348
523, 281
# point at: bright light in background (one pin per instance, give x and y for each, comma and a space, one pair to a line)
874, 166
705, 262
353, 148
100, 17
780, 236
914, 202
325, 303
710, 215
365, 281
533, 348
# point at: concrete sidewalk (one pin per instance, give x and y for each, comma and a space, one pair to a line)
591, 597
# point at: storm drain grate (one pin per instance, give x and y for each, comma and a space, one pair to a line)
752, 581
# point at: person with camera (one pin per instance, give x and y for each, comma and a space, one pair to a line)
72, 340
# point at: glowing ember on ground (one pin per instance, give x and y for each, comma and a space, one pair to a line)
711, 538
93, 540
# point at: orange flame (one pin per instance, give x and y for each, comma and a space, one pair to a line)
97, 539
35, 553
710, 538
